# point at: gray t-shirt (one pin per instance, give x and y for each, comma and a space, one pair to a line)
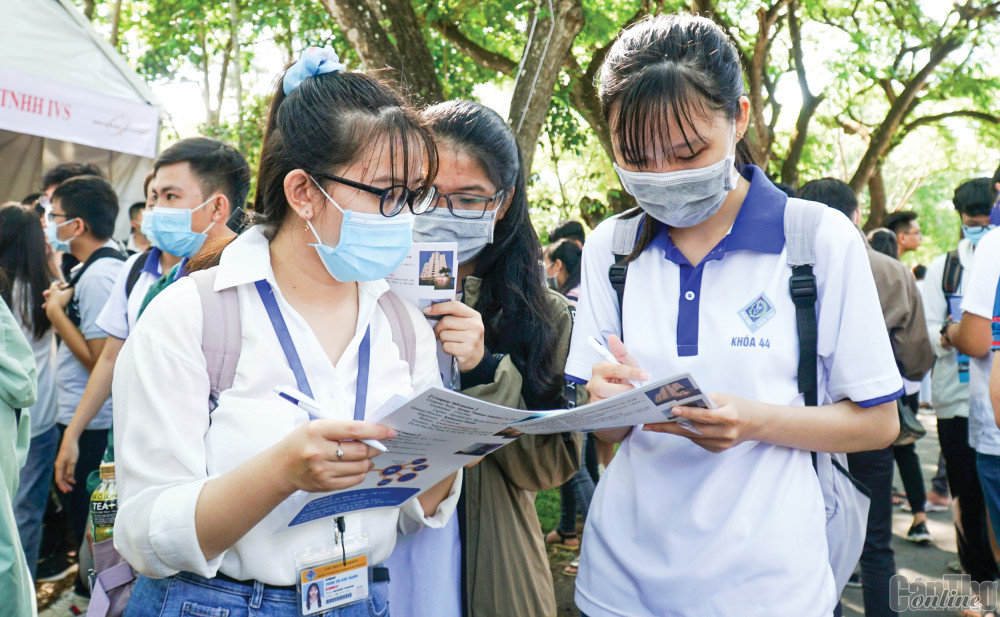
91, 293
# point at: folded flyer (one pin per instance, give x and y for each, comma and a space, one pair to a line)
440, 432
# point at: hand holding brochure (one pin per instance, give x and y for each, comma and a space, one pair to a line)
439, 432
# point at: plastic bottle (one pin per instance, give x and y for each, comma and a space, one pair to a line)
104, 504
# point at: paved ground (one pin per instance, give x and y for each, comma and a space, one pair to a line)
926, 561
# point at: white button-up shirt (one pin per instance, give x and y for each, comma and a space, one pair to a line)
167, 449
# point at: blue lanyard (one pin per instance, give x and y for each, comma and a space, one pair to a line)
287, 346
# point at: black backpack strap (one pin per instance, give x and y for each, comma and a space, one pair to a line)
105, 252
952, 276
802, 286
135, 272
802, 220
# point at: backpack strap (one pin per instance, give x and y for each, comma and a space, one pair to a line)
802, 219
626, 230
952, 274
105, 252
401, 325
222, 333
135, 272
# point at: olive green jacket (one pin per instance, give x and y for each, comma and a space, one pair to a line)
505, 566
18, 387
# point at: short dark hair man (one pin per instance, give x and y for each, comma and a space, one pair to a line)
950, 388
569, 229
904, 224
80, 221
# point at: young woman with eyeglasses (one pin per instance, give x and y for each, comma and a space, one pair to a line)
510, 336
204, 504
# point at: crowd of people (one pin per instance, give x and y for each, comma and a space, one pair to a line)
159, 352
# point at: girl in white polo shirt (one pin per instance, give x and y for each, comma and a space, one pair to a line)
728, 519
205, 500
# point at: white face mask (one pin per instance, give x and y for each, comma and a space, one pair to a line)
472, 235
683, 198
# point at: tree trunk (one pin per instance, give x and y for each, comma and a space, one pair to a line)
543, 58
88, 9
234, 38
116, 20
414, 69
876, 190
416, 64
790, 166
901, 106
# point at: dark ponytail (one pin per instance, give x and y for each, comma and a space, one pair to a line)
679, 67
513, 299
329, 121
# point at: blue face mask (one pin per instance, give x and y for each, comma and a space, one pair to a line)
371, 246
169, 229
52, 234
975, 233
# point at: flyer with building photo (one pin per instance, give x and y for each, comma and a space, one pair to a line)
427, 276
438, 432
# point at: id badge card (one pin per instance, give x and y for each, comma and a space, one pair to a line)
335, 575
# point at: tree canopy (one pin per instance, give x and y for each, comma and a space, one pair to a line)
899, 98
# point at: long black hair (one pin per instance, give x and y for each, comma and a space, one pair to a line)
23, 262
328, 121
513, 299
570, 254
679, 67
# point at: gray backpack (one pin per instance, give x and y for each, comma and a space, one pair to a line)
221, 342
847, 500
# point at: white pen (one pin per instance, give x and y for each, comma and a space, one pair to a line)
301, 400
608, 356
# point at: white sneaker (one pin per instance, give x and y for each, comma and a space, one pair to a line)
70, 604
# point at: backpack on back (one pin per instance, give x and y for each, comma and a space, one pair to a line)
846, 500
222, 343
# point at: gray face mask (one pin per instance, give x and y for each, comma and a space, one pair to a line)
682, 198
440, 225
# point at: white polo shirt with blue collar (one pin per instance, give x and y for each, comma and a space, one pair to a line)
675, 529
121, 311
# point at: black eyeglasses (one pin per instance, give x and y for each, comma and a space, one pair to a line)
395, 198
467, 205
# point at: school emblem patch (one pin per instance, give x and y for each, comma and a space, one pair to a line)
757, 313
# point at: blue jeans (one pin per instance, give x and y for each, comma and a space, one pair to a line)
988, 467
33, 493
190, 595
577, 492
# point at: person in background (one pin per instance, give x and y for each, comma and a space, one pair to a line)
137, 242
80, 221
568, 229
18, 381
562, 268
509, 335
903, 318
945, 284
63, 261
883, 241
905, 227
23, 281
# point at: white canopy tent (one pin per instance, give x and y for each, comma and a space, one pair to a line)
66, 95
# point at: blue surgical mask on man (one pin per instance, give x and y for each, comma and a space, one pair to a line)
52, 234
975, 233
371, 246
169, 229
